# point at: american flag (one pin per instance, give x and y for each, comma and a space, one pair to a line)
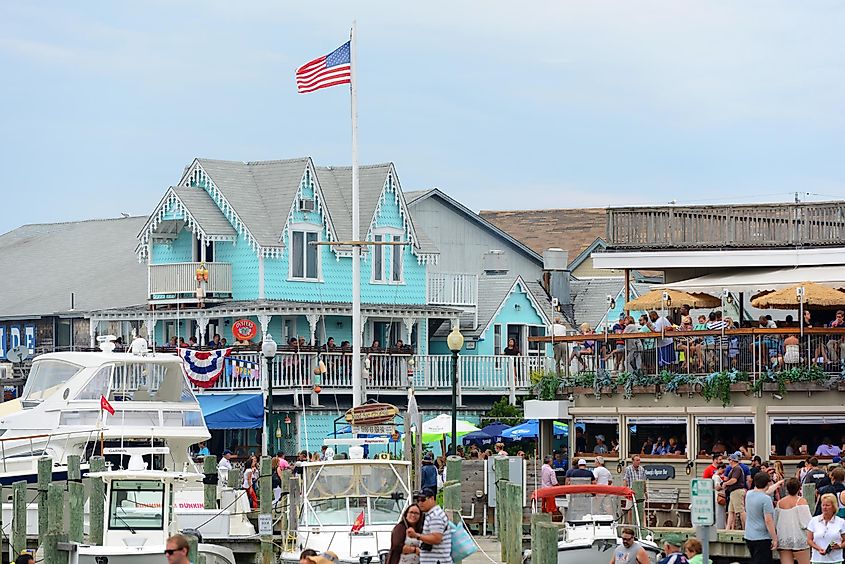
328, 70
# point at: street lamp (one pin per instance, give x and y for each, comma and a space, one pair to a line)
268, 351
456, 342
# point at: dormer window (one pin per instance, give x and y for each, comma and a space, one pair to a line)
387, 259
304, 254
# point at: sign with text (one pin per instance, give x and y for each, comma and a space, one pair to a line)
373, 429
702, 502
371, 414
265, 524
659, 471
244, 330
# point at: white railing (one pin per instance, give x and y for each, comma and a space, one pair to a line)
292, 370
452, 289
181, 278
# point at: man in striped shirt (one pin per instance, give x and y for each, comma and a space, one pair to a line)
436, 538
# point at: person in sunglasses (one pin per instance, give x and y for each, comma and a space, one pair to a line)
176, 550
436, 537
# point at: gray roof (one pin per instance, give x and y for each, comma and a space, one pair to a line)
44, 263
492, 291
205, 211
261, 193
589, 297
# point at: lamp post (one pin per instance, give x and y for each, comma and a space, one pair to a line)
456, 342
268, 351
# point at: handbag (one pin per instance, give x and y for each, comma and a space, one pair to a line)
462, 543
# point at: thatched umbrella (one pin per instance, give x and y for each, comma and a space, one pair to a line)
815, 295
654, 300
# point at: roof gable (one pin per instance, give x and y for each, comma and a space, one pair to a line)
599, 243
486, 318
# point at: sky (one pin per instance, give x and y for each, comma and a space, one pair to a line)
501, 104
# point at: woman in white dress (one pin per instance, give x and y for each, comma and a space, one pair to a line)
792, 517
826, 533
721, 498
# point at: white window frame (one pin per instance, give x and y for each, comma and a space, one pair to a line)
385, 266
305, 228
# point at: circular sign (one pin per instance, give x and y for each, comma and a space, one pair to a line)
244, 330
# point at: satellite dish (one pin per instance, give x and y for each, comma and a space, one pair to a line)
17, 354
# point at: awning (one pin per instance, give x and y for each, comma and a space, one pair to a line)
655, 420
808, 420
232, 411
756, 279
597, 419
734, 420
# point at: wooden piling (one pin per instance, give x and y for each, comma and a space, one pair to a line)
209, 468
453, 468
537, 518
18, 518
97, 502
639, 495
55, 523
808, 492
452, 502
294, 499
513, 518
76, 499
45, 476
265, 486
193, 549
501, 475
284, 498
544, 543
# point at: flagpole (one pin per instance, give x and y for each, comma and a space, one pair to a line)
357, 387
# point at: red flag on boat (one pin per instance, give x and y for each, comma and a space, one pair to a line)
105, 405
359, 523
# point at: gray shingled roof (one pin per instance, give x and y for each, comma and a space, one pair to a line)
44, 263
205, 211
492, 290
589, 297
261, 193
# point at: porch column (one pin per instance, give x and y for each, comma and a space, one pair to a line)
150, 324
202, 329
312, 318
203, 243
264, 321
408, 322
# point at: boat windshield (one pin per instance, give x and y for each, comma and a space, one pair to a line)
343, 511
590, 508
136, 504
150, 381
356, 480
46, 376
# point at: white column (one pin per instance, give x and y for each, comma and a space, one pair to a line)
264, 321
357, 321
202, 327
313, 318
150, 323
409, 328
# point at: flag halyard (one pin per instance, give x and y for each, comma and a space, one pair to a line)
329, 70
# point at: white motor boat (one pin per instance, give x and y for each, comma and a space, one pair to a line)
139, 518
59, 413
336, 494
592, 523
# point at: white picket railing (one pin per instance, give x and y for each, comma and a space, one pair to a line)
386, 371
181, 278
450, 289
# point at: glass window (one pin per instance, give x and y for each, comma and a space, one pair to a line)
533, 331
304, 255
396, 263
46, 376
136, 505
657, 436
311, 255
97, 386
497, 339
724, 434
296, 261
803, 436
597, 435
378, 259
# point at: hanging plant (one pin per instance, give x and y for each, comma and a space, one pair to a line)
718, 385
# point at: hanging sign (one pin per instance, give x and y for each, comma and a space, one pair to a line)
203, 368
659, 471
371, 414
244, 330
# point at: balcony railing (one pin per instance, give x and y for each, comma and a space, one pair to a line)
452, 289
742, 226
181, 278
291, 370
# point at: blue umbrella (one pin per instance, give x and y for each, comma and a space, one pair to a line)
486, 436
531, 428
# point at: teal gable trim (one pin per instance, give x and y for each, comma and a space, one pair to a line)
180, 249
517, 309
244, 267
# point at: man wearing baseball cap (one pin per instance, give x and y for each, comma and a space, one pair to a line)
436, 537
580, 472
224, 466
672, 549
735, 490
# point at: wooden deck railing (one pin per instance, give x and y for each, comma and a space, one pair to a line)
181, 278
750, 225
450, 289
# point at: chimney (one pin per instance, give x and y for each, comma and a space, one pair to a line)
556, 276
494, 263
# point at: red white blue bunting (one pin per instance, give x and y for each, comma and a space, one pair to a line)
203, 368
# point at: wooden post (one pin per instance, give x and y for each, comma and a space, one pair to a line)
97, 502
513, 517
209, 468
285, 487
639, 494
294, 499
544, 543
537, 518
501, 475
76, 498
452, 502
18, 518
193, 548
55, 522
453, 468
265, 486
45, 476
808, 492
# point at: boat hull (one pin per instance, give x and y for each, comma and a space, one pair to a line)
87, 554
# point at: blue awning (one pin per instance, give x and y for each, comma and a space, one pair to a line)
232, 411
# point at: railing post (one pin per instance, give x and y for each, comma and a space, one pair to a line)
512, 380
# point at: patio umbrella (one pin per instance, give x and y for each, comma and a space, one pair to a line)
486, 436
531, 429
654, 300
815, 295
436, 429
